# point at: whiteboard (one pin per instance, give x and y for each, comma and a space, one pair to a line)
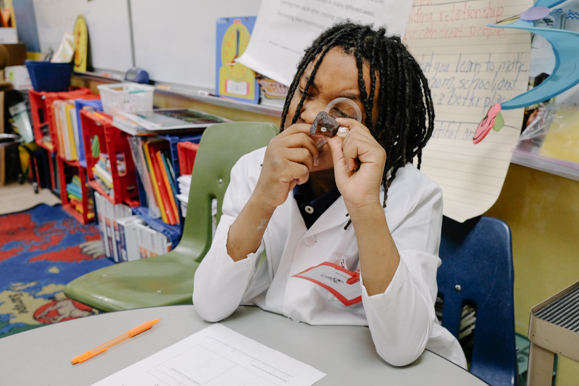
174, 40
108, 29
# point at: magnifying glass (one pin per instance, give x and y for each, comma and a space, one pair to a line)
344, 108
325, 123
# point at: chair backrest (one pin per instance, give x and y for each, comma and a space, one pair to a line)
220, 148
477, 267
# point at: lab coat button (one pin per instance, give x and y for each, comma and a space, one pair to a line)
310, 240
309, 209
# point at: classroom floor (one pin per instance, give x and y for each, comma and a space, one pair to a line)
15, 197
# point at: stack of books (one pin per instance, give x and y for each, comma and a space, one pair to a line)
102, 172
67, 131
183, 196
184, 187
163, 120
127, 237
74, 193
153, 162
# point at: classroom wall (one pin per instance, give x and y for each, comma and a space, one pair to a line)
173, 40
542, 210
26, 24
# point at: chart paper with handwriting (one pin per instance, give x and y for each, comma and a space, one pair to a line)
469, 67
216, 356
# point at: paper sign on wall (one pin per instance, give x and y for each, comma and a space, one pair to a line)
470, 68
285, 28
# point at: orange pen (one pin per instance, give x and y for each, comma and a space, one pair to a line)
105, 346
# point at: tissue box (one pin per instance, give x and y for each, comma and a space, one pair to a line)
18, 76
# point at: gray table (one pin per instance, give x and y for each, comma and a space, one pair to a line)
345, 353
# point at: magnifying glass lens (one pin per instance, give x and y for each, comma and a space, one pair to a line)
344, 108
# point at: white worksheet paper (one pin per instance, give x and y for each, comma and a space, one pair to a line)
216, 356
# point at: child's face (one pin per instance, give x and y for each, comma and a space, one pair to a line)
336, 77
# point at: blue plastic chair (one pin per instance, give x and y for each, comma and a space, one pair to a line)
477, 268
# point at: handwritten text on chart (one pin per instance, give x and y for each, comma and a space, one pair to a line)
455, 22
462, 131
457, 81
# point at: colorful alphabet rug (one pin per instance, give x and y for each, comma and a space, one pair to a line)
41, 250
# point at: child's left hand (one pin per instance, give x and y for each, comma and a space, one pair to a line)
358, 165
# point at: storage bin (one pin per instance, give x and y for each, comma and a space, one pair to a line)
49, 77
186, 153
172, 231
129, 97
114, 143
95, 104
66, 170
43, 120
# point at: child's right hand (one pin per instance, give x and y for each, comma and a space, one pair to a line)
289, 158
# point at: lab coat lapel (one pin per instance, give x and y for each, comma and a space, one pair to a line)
295, 232
335, 215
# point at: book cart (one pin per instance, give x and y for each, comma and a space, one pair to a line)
176, 145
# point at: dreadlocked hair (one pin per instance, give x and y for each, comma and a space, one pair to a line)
405, 118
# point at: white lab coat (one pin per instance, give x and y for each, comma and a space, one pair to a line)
401, 320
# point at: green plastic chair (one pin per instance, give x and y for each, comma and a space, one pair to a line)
168, 279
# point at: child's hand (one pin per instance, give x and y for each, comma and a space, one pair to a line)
288, 161
358, 165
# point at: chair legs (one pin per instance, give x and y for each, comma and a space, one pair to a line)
540, 366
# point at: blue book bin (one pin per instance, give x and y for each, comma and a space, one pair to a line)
49, 77
96, 104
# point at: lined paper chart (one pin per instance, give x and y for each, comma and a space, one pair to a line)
216, 356
470, 67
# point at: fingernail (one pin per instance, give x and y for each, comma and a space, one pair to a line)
316, 161
343, 132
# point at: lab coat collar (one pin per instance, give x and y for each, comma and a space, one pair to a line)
335, 215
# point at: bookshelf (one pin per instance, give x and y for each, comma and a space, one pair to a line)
43, 124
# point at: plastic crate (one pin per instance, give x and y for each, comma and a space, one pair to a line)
79, 104
49, 77
113, 142
66, 169
127, 97
186, 152
172, 231
43, 120
173, 142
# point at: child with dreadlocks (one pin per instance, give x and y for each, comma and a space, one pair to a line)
357, 203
